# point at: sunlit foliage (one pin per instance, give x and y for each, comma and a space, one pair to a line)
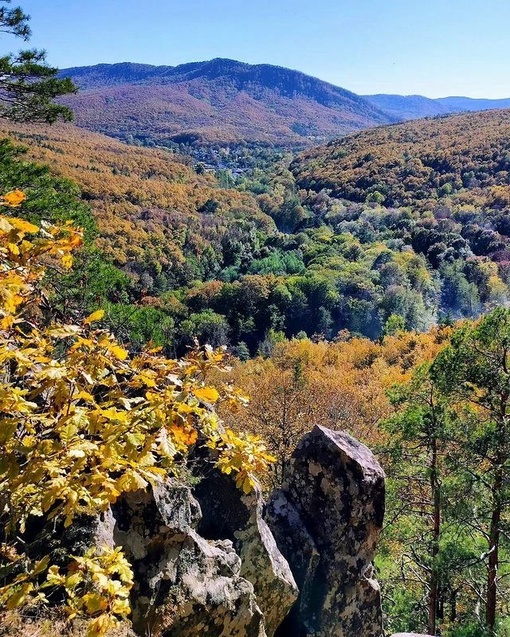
82, 422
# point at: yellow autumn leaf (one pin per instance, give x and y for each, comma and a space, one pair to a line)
67, 260
207, 394
95, 602
6, 322
121, 607
52, 372
41, 565
130, 481
95, 316
165, 446
24, 226
14, 198
54, 578
5, 225
119, 352
247, 483
184, 437
84, 395
73, 580
99, 626
145, 379
63, 331
19, 596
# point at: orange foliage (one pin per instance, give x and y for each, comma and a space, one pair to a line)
146, 202
340, 385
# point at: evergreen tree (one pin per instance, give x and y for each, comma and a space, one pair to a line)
28, 85
474, 373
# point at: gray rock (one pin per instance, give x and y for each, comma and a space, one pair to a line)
184, 585
228, 513
326, 519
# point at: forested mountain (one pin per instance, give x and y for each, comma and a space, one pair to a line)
397, 227
405, 107
218, 100
228, 101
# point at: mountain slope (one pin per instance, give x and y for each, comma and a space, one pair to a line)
413, 162
152, 210
218, 100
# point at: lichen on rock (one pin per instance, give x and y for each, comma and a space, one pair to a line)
327, 518
185, 585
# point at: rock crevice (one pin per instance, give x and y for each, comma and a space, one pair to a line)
218, 563
326, 519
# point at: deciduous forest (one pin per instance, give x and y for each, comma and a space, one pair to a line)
162, 303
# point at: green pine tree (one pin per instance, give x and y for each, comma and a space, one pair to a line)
28, 86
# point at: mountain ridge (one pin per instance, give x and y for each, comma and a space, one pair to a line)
216, 100
407, 107
229, 101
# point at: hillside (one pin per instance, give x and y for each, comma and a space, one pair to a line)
148, 203
218, 100
409, 163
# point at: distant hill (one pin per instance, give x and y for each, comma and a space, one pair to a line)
218, 100
457, 104
406, 107
413, 162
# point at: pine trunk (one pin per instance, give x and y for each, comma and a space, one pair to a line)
492, 568
434, 576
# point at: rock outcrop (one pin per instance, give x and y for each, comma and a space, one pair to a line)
326, 519
228, 513
185, 585
219, 563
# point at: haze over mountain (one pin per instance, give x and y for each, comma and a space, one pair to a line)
406, 107
218, 100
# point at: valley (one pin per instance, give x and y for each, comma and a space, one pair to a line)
379, 228
214, 258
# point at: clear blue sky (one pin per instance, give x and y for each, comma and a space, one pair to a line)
429, 47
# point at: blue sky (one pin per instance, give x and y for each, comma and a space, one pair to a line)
432, 47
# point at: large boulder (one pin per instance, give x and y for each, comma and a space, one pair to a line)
230, 514
326, 519
185, 585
